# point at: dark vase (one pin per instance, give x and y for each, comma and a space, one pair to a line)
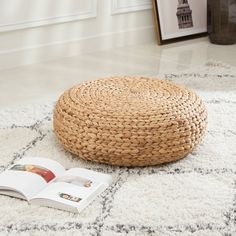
221, 21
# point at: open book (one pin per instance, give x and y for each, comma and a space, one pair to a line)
45, 182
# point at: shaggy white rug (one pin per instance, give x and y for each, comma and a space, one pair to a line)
195, 196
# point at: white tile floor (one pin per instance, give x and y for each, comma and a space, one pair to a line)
44, 81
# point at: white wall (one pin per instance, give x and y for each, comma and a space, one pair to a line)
33, 31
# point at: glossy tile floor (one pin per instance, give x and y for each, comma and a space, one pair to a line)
46, 81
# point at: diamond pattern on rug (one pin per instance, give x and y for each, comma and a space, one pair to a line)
200, 198
19, 139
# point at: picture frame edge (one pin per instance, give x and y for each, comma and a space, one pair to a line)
157, 23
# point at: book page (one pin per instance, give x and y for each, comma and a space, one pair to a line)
29, 176
76, 188
65, 195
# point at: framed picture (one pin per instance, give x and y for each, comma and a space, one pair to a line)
179, 18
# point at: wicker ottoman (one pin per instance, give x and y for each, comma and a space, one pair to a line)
129, 121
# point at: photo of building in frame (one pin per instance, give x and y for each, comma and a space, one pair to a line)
184, 14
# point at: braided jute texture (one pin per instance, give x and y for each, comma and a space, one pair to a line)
129, 121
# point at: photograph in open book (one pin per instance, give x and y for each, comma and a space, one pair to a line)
76, 180
45, 173
69, 197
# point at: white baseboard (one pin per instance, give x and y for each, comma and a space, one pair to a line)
57, 50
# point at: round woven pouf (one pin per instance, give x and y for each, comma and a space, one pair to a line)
129, 121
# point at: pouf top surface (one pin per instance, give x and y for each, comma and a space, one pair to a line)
130, 96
